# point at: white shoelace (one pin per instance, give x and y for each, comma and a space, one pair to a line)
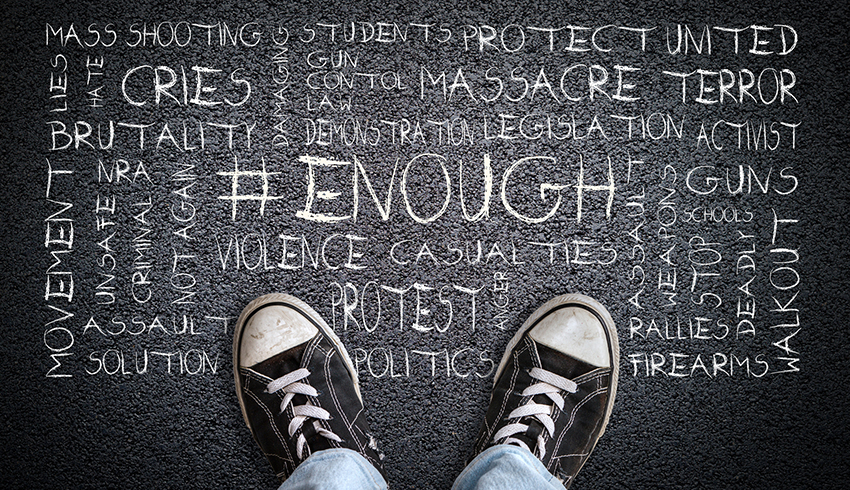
291, 386
550, 384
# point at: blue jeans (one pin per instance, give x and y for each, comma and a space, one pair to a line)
500, 467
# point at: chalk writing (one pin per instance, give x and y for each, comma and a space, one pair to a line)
429, 180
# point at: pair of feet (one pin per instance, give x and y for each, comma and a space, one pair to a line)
553, 392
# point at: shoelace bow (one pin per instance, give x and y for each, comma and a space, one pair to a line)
550, 384
291, 385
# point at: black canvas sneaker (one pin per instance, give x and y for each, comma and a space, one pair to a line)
297, 387
555, 386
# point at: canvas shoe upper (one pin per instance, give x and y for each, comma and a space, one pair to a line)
296, 385
554, 388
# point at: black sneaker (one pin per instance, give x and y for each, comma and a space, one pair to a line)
296, 385
555, 386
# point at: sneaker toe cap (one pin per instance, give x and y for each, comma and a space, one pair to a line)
272, 330
575, 332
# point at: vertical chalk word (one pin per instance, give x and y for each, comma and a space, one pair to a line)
104, 213
667, 217
785, 282
636, 206
59, 83
94, 75
59, 280
280, 77
184, 216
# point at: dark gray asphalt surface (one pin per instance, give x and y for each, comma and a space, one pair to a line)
725, 423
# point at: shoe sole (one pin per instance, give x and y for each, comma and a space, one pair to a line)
304, 309
604, 318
